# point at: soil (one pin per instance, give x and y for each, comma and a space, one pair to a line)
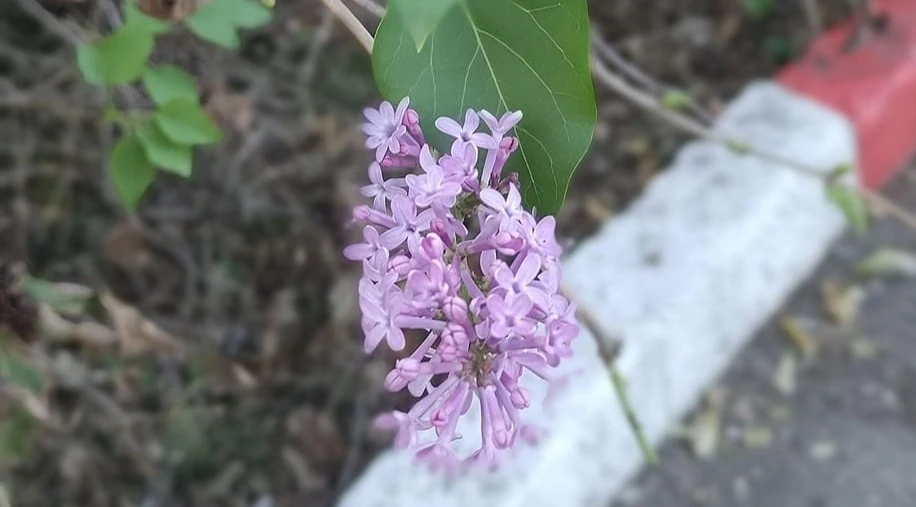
238, 375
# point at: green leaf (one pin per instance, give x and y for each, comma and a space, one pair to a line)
62, 298
422, 16
219, 20
87, 59
778, 49
675, 99
498, 55
15, 434
759, 9
888, 261
185, 122
118, 58
167, 82
134, 17
131, 170
18, 373
163, 152
848, 200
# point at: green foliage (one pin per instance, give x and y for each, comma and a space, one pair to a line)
675, 99
15, 434
130, 170
422, 16
15, 371
167, 82
185, 122
162, 151
498, 55
118, 58
163, 137
848, 200
220, 20
778, 49
68, 303
759, 9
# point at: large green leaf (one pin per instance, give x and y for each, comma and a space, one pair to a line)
500, 55
422, 16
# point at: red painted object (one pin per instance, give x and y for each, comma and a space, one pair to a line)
873, 84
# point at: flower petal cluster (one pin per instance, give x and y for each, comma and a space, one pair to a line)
449, 253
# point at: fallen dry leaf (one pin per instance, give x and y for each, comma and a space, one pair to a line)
862, 348
842, 303
888, 262
784, 377
804, 342
56, 328
704, 431
137, 335
757, 437
822, 451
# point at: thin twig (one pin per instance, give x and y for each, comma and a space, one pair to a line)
346, 16
636, 74
623, 398
609, 350
813, 15
372, 7
58, 28
645, 101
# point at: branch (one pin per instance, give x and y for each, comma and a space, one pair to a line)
813, 15
58, 28
646, 101
346, 16
609, 350
373, 8
636, 74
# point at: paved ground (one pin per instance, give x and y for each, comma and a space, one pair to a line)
845, 436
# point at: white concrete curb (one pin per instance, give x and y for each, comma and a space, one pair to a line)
685, 277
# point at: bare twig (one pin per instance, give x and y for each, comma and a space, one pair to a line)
372, 7
609, 350
611, 54
646, 101
813, 15
58, 28
346, 16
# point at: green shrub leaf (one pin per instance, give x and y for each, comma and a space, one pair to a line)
16, 432
136, 18
219, 20
163, 152
87, 59
118, 58
167, 82
131, 170
848, 200
498, 55
422, 16
15, 371
185, 122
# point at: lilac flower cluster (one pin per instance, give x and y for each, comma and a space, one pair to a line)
449, 251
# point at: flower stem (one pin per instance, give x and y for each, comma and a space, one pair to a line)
346, 16
623, 396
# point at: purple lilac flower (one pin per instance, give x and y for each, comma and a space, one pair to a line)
450, 252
